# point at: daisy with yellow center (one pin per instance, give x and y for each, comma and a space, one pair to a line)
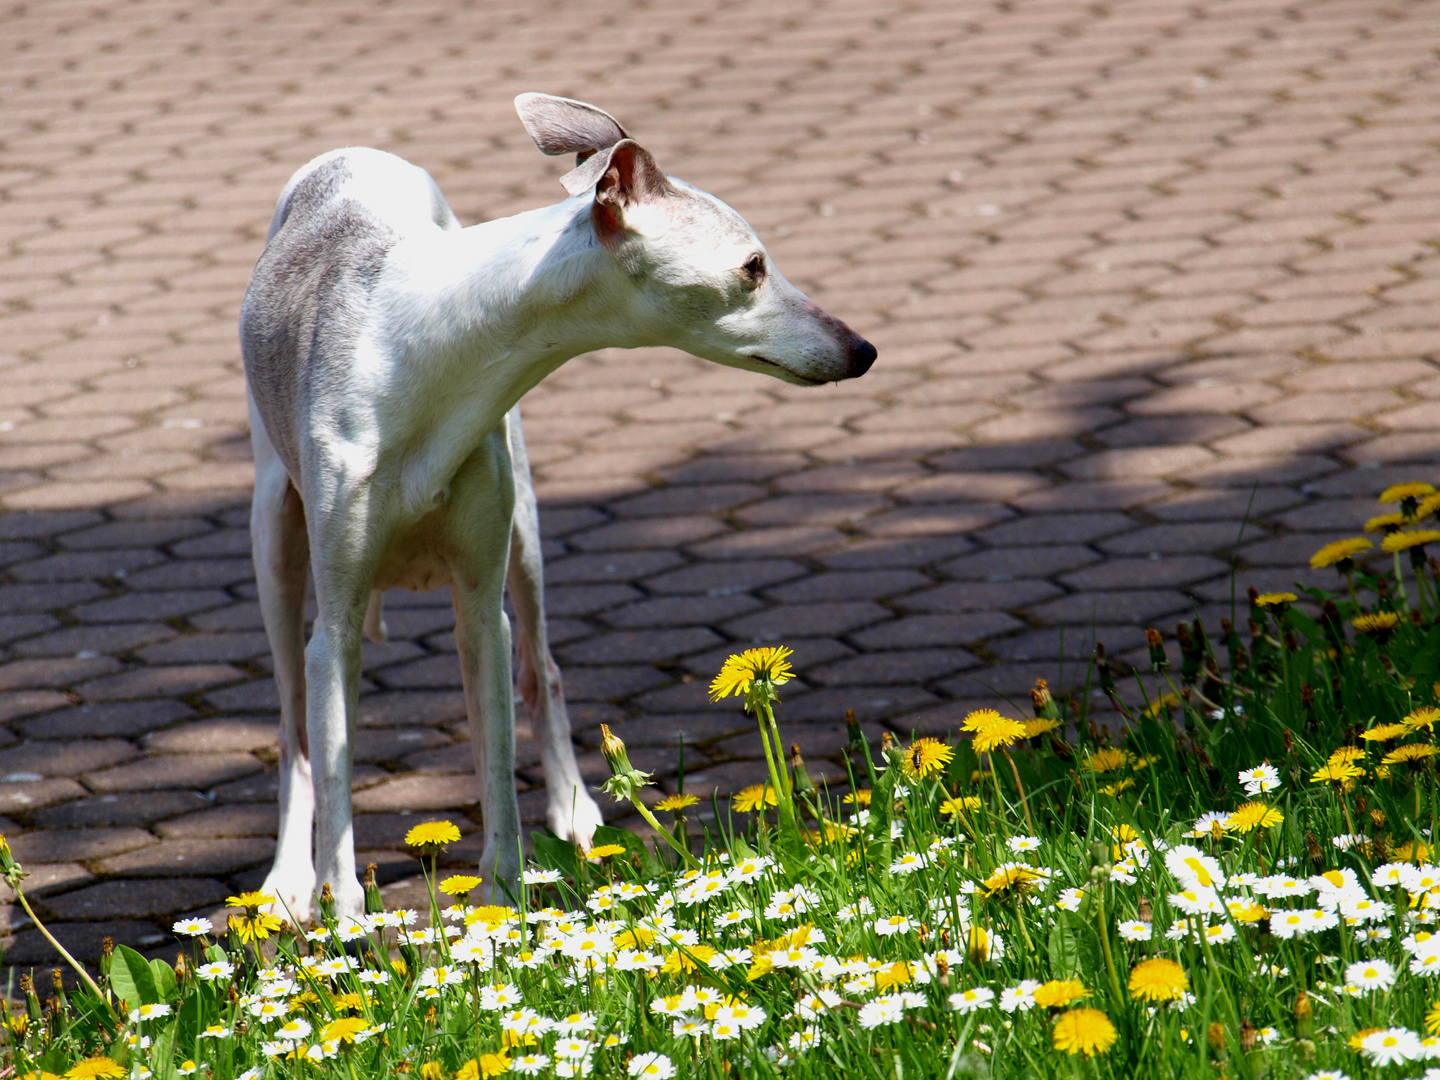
1158, 979
743, 670
749, 800
676, 803
432, 834
925, 758
1340, 554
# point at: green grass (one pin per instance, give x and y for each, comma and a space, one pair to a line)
838, 948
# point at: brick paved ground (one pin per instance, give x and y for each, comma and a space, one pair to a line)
1131, 267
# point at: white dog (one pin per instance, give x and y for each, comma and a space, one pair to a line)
385, 350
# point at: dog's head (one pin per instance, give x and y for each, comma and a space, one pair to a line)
700, 277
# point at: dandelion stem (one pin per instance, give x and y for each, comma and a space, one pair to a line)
1024, 802
675, 844
79, 970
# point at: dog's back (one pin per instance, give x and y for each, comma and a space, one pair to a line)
308, 300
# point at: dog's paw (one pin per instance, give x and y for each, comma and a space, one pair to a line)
294, 892
573, 815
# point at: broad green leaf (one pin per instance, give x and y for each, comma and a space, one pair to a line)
555, 854
608, 834
165, 983
131, 978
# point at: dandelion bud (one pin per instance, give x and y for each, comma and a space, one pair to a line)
625, 780
1158, 660
374, 902
887, 745
1215, 1036
1043, 702
32, 999
1304, 1016
1314, 850
942, 969
1249, 1036
1147, 911
107, 954
1102, 669
327, 903
800, 779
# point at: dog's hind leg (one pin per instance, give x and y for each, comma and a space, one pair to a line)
282, 561
570, 811
481, 498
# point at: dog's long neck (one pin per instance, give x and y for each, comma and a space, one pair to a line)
483, 314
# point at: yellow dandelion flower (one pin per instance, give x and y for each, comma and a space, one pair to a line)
1039, 726
344, 1029
1339, 552
1410, 754
1084, 1031
1247, 911
991, 730
254, 927
459, 884
897, 974
683, 962
492, 1065
1115, 789
1057, 993
1108, 759
748, 800
1275, 599
1415, 489
739, 672
1412, 851
1355, 1041
859, 797
1384, 523
250, 900
951, 807
101, 1067
1158, 979
1335, 773
1011, 881
490, 914
432, 1070
924, 758
1426, 717
604, 851
1252, 816
1162, 704
675, 803
1379, 624
1428, 505
1404, 541
1383, 732
1345, 754
432, 834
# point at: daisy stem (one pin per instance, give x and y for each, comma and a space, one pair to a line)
1024, 802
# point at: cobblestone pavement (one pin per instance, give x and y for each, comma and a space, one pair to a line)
1132, 268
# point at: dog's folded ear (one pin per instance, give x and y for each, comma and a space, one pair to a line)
563, 126
624, 176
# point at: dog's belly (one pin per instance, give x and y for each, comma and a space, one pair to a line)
417, 557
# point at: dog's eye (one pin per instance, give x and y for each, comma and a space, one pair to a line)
754, 269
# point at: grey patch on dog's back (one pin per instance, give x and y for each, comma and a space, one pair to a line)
305, 307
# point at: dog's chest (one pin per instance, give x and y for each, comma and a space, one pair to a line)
418, 556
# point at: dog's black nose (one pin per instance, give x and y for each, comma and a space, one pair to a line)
862, 355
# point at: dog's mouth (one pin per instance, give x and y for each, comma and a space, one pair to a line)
793, 376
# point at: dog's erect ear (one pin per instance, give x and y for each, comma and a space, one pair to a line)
626, 176
562, 126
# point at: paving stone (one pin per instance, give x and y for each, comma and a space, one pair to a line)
126, 809
129, 898
212, 855
76, 845
198, 772
63, 758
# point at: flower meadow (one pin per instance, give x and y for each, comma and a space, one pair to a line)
1228, 872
